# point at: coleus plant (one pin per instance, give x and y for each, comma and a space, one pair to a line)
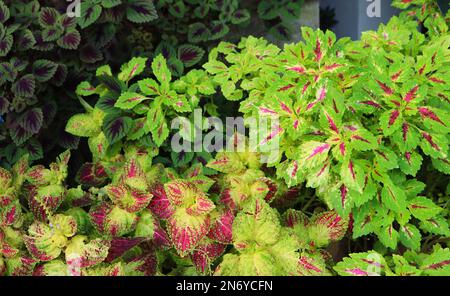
354, 128
43, 49
369, 146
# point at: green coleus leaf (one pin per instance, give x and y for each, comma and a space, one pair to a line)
90, 12
403, 268
160, 70
129, 100
51, 34
85, 89
423, 208
388, 236
437, 263
410, 236
410, 163
85, 124
141, 11
362, 264
160, 133
260, 228
178, 9
116, 128
393, 197
131, 69
148, 86
312, 154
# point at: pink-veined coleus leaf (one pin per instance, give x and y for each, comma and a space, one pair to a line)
81, 253
205, 254
186, 231
336, 225
91, 174
160, 204
222, 226
131, 200
112, 220
120, 245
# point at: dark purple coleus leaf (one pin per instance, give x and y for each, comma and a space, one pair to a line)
107, 101
49, 111
68, 141
68, 22
41, 44
31, 120
120, 245
190, 54
281, 32
34, 149
115, 129
9, 72
141, 11
70, 40
113, 84
102, 35
4, 13
25, 40
19, 135
218, 30
44, 70
166, 49
24, 86
60, 75
240, 16
5, 45
4, 105
48, 16
51, 34
198, 32
90, 54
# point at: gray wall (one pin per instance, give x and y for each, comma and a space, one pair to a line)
353, 19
